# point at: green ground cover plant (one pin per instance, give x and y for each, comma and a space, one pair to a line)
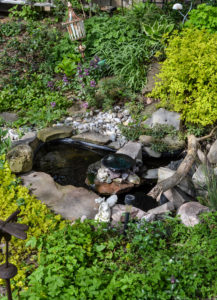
203, 17
188, 76
36, 215
159, 260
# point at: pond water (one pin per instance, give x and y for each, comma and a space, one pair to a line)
67, 162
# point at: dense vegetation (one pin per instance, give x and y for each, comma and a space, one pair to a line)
41, 75
188, 76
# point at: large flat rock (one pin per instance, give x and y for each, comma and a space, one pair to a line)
68, 201
164, 117
132, 149
92, 137
53, 133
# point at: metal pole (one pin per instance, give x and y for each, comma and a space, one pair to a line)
8, 287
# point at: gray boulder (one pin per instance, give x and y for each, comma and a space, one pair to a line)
212, 155
29, 139
176, 196
20, 159
185, 185
189, 213
68, 201
163, 116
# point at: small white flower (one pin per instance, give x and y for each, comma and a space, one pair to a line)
177, 6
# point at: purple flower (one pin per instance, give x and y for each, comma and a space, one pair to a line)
53, 104
65, 79
50, 84
93, 83
83, 85
80, 75
84, 105
173, 279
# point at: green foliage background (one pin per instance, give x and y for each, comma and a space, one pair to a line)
188, 77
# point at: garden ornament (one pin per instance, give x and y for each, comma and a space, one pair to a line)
179, 7
129, 199
7, 229
76, 30
104, 213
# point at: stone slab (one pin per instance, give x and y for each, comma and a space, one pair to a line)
92, 137
53, 133
68, 201
132, 149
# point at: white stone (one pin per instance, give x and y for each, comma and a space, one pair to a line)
99, 200
112, 200
102, 175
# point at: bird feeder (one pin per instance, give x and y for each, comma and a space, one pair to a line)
75, 27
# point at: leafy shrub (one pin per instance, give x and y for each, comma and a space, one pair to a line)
33, 213
203, 17
188, 76
160, 260
128, 42
111, 90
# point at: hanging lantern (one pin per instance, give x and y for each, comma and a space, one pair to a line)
75, 25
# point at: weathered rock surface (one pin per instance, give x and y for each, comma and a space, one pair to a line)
113, 188
53, 133
163, 116
146, 140
132, 149
30, 139
20, 159
189, 213
212, 155
118, 212
173, 142
185, 185
199, 177
162, 209
92, 137
68, 201
152, 153
176, 196
151, 174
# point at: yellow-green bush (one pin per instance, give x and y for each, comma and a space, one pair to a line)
188, 78
33, 213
